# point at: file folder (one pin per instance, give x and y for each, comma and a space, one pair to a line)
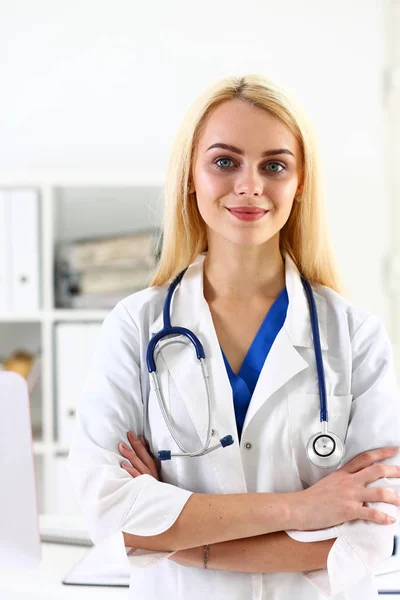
24, 235
75, 347
5, 246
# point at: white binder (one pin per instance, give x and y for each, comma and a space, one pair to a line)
75, 346
5, 247
24, 249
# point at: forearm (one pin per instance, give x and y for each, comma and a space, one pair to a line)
270, 553
215, 518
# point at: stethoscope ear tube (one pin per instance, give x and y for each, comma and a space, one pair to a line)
223, 442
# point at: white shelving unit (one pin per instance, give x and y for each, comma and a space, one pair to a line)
72, 206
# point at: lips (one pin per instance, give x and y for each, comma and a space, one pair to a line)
253, 210
247, 213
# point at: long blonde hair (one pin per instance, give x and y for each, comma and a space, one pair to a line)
305, 234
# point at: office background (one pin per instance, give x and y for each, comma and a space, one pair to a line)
92, 95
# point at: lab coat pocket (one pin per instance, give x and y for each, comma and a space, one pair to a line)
304, 422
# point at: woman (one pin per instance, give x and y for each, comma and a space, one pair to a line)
244, 215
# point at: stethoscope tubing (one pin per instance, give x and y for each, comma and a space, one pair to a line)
318, 350
332, 447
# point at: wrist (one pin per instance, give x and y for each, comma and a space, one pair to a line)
290, 506
190, 557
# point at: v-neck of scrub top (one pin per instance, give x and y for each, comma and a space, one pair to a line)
245, 381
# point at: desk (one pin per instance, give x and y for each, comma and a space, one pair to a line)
44, 582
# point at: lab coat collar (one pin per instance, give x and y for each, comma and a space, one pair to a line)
298, 318
189, 300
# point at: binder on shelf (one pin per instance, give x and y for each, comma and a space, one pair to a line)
19, 250
24, 237
75, 345
5, 275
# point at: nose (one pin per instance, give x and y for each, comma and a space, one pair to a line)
249, 184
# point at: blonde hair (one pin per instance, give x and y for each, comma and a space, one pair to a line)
305, 234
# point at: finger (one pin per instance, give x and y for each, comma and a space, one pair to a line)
144, 442
131, 470
135, 461
374, 494
142, 452
378, 471
376, 516
368, 458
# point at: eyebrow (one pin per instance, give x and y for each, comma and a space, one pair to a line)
241, 152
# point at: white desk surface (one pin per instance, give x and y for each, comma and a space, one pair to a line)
44, 582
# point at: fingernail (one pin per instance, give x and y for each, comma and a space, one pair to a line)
125, 446
393, 519
133, 435
395, 448
125, 464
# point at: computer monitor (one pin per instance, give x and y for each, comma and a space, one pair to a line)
19, 527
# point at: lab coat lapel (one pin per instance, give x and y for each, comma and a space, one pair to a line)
190, 310
283, 361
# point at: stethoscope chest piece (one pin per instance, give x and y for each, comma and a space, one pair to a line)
325, 449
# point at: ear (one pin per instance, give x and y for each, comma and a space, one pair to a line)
299, 193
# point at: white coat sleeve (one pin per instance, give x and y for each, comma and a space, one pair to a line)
110, 405
374, 423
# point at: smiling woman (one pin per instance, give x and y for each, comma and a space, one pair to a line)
244, 231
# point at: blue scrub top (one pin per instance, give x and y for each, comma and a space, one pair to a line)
244, 382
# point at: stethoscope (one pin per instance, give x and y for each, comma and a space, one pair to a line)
325, 449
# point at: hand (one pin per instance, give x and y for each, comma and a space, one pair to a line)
340, 496
138, 454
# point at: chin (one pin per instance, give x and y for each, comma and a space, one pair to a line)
249, 240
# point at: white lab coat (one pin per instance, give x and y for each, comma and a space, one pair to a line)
363, 404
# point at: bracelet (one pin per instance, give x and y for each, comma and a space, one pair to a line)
206, 551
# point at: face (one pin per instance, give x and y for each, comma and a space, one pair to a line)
243, 195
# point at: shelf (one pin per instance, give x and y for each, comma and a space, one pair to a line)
84, 177
36, 317
40, 448
59, 314
61, 449
65, 314
73, 206
53, 448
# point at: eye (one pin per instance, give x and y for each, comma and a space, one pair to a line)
222, 160
224, 167
283, 168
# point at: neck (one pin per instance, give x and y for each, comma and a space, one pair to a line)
243, 273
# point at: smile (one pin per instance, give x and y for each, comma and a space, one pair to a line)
248, 213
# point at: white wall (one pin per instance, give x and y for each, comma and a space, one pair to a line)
94, 84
